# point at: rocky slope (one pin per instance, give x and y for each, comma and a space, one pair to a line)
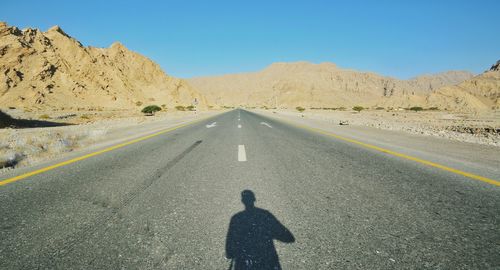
51, 70
288, 85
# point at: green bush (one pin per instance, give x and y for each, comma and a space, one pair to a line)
358, 108
151, 109
300, 109
180, 108
416, 109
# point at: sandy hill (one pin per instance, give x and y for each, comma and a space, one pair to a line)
320, 85
53, 70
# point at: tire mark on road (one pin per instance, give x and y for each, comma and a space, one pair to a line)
62, 247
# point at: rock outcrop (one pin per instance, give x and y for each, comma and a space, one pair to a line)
51, 70
496, 66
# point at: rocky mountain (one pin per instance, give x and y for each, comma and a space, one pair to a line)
40, 70
51, 70
320, 85
476, 94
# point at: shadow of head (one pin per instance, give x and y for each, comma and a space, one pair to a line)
248, 198
251, 235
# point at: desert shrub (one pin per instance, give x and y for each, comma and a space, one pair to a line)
190, 108
180, 108
341, 108
84, 116
300, 109
138, 103
358, 108
380, 108
12, 108
164, 106
433, 109
44, 116
151, 109
416, 109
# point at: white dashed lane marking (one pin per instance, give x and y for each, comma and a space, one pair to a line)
242, 155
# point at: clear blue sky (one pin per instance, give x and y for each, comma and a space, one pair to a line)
193, 38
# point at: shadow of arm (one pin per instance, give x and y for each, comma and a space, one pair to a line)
281, 233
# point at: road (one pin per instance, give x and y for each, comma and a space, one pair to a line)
167, 202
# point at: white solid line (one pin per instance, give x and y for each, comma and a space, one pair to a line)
239, 126
266, 124
242, 155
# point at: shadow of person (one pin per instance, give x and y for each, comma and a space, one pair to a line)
249, 242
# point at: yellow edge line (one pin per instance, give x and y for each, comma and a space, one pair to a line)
64, 163
422, 161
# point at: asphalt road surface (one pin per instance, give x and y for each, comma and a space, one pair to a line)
310, 202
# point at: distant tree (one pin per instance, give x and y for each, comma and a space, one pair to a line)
358, 108
151, 109
300, 109
416, 109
